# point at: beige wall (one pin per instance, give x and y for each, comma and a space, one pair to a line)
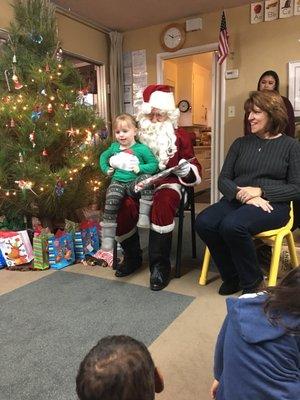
75, 37
256, 48
82, 39
6, 13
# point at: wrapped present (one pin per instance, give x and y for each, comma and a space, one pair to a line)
91, 213
61, 250
71, 226
40, 249
15, 247
87, 240
2, 261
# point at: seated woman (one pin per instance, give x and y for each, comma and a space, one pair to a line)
259, 178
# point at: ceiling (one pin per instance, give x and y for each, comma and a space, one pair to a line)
125, 15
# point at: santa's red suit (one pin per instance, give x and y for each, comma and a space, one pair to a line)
170, 146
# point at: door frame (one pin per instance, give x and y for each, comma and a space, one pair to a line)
101, 83
218, 106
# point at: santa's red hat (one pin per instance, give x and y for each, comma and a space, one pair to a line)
158, 96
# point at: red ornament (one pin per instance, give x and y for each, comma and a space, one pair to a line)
17, 84
45, 153
49, 108
32, 138
67, 106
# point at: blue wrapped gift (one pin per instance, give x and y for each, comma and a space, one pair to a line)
61, 250
86, 242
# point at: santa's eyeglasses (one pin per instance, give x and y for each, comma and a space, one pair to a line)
159, 115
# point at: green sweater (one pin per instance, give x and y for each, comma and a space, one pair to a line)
148, 163
273, 165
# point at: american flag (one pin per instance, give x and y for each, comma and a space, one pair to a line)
223, 47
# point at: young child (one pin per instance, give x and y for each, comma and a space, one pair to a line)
118, 367
128, 162
258, 349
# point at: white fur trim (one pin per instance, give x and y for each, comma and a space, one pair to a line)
198, 177
174, 117
163, 229
162, 100
174, 186
126, 235
145, 108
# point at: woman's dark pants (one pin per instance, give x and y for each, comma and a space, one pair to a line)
227, 228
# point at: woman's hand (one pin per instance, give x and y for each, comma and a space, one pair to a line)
260, 202
247, 192
214, 388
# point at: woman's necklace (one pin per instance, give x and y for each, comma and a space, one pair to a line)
263, 141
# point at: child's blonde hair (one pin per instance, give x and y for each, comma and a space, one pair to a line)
124, 118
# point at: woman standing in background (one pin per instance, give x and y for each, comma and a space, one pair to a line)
269, 80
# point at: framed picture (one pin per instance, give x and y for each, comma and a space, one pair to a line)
294, 86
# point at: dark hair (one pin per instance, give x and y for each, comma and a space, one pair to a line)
271, 102
117, 368
274, 75
285, 298
124, 118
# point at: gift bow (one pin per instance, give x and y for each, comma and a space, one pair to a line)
71, 226
88, 224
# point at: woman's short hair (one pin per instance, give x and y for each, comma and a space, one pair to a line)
271, 102
274, 76
117, 368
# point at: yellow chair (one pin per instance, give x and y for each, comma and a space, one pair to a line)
276, 236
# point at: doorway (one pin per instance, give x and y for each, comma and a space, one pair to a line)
93, 76
196, 77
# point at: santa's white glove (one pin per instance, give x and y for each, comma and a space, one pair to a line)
184, 169
123, 160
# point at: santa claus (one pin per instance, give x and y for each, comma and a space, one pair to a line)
172, 146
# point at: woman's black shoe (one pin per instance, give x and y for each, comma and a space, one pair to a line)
259, 287
229, 287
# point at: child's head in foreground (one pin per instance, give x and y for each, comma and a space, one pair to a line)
118, 368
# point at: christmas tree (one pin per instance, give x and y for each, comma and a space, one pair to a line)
50, 139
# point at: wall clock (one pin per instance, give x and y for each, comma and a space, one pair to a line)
172, 37
184, 106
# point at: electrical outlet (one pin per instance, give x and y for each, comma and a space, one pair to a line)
231, 111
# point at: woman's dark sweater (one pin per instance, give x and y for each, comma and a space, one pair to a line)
271, 164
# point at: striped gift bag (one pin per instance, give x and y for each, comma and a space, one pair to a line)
40, 251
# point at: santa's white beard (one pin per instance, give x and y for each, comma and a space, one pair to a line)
160, 137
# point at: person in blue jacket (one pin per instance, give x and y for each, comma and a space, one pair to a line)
257, 355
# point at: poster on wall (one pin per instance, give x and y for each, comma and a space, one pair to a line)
271, 10
139, 75
127, 78
294, 86
257, 12
286, 8
296, 7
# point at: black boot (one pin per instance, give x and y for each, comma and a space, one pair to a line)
132, 256
159, 259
